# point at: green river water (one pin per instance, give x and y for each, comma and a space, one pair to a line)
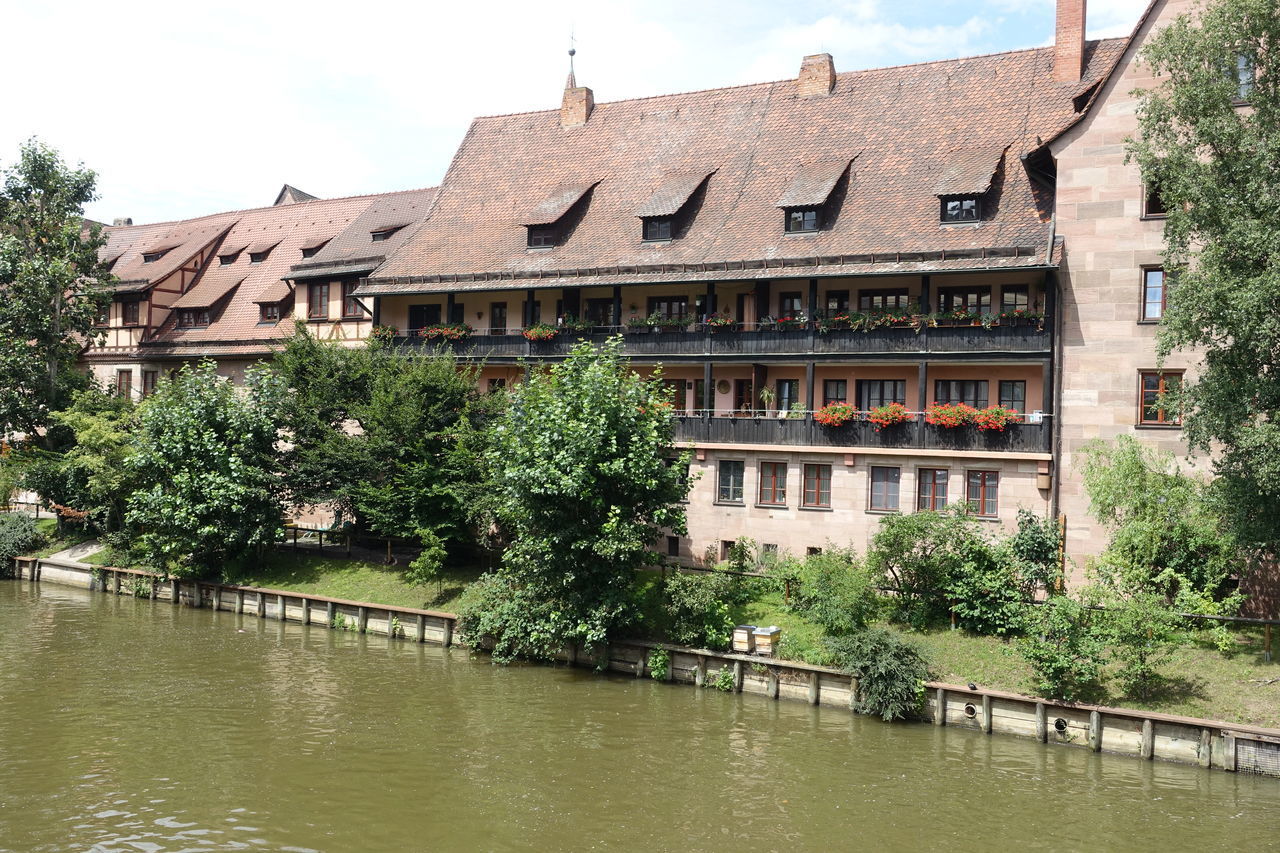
128, 725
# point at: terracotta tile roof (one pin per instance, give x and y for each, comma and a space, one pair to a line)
673, 193
352, 251
184, 240
813, 183
210, 289
556, 202
969, 172
900, 123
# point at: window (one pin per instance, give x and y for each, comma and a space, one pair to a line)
837, 300
983, 489
726, 548
885, 484
788, 394
129, 312
730, 485
1154, 408
769, 548
104, 315
817, 486
976, 300
700, 396
124, 383
789, 304
421, 316
193, 318
228, 260
881, 392
269, 312
971, 392
259, 257
1013, 394
149, 379
542, 236
312, 251
498, 318
679, 395
812, 551
673, 546
889, 299
773, 483
1241, 74
1154, 293
802, 219
743, 395
383, 234
1015, 297
599, 312
931, 488
351, 307
1152, 203
318, 301
962, 209
152, 257
657, 228
669, 307
834, 391
497, 383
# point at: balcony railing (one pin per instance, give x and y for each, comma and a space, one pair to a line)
746, 340
1031, 435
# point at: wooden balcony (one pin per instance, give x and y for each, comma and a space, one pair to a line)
861, 435
728, 344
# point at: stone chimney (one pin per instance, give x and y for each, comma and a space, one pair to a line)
1068, 47
818, 76
578, 102
123, 220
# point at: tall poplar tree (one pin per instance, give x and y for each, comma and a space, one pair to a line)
1209, 143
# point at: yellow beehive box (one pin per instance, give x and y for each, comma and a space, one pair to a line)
744, 641
766, 639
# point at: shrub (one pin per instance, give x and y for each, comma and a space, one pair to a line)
18, 535
983, 588
1033, 549
919, 554
1065, 649
835, 414
891, 672
836, 591
659, 664
697, 607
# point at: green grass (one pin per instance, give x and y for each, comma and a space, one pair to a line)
54, 543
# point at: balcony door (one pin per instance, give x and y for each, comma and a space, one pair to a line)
421, 316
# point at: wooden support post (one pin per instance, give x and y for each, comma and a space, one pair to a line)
1206, 748
262, 605
175, 591
422, 628
986, 713
1042, 723
154, 595
391, 621
772, 683
814, 694
240, 601
362, 616
737, 676
329, 612
854, 686
940, 707
640, 665
700, 672
1266, 643
447, 639
1148, 747
284, 608
306, 611
1228, 752
115, 582
1095, 731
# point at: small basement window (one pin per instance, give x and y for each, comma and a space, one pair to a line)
803, 219
542, 236
962, 209
658, 228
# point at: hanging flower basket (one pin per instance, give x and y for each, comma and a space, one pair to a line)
888, 415
835, 414
541, 332
950, 415
995, 418
446, 332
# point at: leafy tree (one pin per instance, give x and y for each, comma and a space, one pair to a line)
1214, 165
91, 475
891, 672
836, 591
50, 282
580, 485
1139, 626
207, 492
1065, 648
1168, 535
1033, 550
697, 608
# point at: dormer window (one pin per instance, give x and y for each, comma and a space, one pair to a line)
193, 318
152, 257
383, 234
258, 257
658, 228
803, 219
311, 253
227, 260
542, 236
962, 209
269, 313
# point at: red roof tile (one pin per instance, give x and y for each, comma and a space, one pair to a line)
673, 192
813, 183
969, 171
556, 202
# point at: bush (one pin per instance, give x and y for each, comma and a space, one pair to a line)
984, 590
920, 554
1065, 648
18, 535
836, 591
891, 672
697, 607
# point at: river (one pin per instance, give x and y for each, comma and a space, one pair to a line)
128, 725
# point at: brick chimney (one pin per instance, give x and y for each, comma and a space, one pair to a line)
1068, 47
818, 76
578, 102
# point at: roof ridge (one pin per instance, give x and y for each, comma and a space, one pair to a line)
244, 210
765, 83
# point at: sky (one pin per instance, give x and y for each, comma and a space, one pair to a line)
184, 110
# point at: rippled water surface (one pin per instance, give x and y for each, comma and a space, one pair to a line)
138, 726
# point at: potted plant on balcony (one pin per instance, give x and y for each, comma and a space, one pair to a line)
888, 415
995, 418
383, 334
835, 321
795, 320
636, 325
540, 333
571, 323
950, 415
721, 323
835, 414
446, 332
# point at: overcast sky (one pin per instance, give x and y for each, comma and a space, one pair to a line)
191, 109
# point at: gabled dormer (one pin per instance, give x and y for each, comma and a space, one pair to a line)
666, 214
550, 221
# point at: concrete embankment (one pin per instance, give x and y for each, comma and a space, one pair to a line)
1141, 734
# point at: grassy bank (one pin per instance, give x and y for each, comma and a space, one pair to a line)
54, 542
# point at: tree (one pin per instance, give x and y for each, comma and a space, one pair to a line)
1066, 649
207, 491
581, 482
51, 284
1213, 163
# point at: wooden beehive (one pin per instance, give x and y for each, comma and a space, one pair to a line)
744, 641
766, 639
